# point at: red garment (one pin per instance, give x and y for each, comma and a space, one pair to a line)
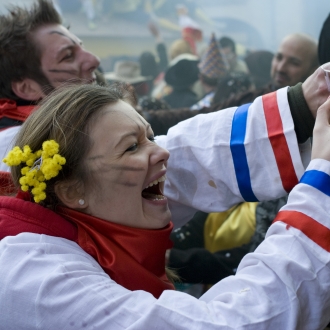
7, 186
133, 257
9, 109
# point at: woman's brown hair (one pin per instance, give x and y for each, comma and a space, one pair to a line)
65, 116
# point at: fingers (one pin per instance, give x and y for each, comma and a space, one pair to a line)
315, 90
321, 133
326, 70
323, 113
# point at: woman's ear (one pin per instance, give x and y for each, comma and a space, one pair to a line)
71, 194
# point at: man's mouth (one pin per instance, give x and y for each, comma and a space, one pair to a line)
153, 190
91, 81
281, 77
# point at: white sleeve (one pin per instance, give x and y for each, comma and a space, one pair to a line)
220, 159
284, 284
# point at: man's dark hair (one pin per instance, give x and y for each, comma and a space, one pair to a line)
19, 53
225, 42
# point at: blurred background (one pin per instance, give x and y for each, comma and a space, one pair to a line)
116, 29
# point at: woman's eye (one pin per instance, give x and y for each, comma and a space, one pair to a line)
133, 147
151, 138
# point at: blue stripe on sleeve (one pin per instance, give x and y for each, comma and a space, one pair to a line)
239, 155
318, 180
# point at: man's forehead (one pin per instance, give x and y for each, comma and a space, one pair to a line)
294, 48
45, 32
291, 53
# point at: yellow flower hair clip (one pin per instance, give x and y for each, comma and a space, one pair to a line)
41, 165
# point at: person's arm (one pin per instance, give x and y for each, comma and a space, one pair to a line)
303, 118
162, 55
160, 46
220, 159
247, 153
162, 120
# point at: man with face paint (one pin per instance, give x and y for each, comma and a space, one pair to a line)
37, 55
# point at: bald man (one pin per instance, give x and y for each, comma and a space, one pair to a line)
295, 60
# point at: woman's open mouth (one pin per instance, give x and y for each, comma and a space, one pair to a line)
153, 191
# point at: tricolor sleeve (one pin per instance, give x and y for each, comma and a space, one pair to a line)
308, 208
219, 159
285, 283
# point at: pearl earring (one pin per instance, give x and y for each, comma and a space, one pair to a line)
81, 202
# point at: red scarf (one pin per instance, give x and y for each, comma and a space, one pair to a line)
9, 109
7, 186
132, 257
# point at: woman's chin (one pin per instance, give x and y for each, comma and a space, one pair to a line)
157, 213
162, 220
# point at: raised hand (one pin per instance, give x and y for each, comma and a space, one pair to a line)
315, 90
321, 133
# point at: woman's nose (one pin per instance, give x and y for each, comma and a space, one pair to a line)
159, 154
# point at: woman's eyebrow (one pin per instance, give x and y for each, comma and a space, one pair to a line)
145, 123
134, 133
126, 135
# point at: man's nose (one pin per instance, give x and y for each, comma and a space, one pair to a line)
90, 61
281, 65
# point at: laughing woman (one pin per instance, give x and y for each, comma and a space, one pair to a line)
83, 243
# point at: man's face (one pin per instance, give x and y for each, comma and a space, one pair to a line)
63, 58
291, 64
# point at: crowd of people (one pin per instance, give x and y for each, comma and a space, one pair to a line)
117, 188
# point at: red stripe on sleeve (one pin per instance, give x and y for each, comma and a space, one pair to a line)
278, 141
310, 227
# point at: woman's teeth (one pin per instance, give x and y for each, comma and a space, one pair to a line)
161, 179
154, 197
